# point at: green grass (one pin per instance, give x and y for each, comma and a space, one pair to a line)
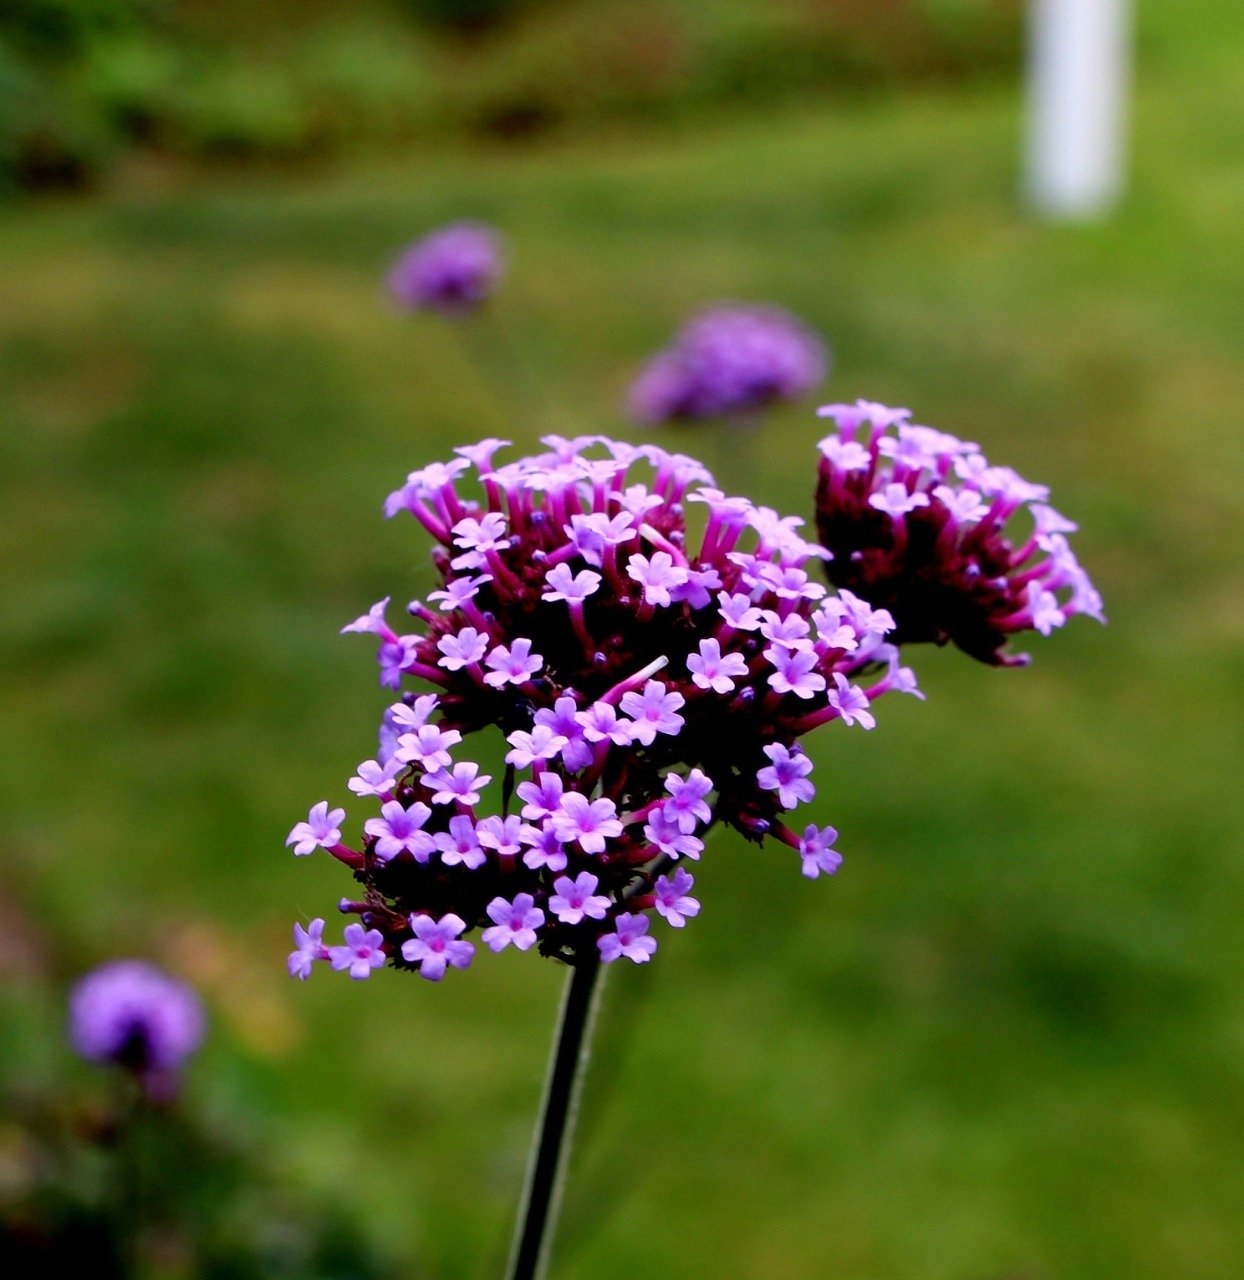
1008, 1040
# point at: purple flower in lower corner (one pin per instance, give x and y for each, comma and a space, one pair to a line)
132, 1014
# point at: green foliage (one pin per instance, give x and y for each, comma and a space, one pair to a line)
100, 76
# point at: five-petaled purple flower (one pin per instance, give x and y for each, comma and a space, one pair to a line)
437, 945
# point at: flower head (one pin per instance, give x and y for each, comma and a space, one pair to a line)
920, 525
452, 269
648, 684
133, 1015
729, 360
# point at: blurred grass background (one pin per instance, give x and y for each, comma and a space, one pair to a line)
1007, 1041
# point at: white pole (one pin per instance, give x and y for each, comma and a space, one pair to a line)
1078, 81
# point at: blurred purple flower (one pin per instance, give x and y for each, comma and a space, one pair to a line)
451, 270
730, 360
130, 1013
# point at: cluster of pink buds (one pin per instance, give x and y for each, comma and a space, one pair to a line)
647, 682
919, 524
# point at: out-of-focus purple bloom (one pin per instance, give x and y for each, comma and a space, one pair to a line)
950, 548
731, 360
451, 270
130, 1013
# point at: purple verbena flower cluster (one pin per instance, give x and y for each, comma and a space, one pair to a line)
452, 269
920, 525
131, 1014
730, 360
647, 682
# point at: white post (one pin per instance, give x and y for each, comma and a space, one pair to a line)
1078, 80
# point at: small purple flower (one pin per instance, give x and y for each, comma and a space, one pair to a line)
894, 500
817, 851
657, 576
459, 592
629, 938
374, 778
460, 845
542, 797
561, 719
600, 722
546, 848
540, 744
573, 900
589, 823
787, 775
362, 952
851, 703
462, 650
664, 830
502, 835
794, 672
322, 830
571, 587
372, 620
687, 805
428, 746
400, 830
513, 923
462, 786
451, 270
435, 945
737, 611
308, 948
653, 711
512, 664
711, 669
131, 1014
672, 900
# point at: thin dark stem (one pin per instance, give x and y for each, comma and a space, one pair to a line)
547, 1169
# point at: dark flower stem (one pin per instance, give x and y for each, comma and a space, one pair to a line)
546, 1171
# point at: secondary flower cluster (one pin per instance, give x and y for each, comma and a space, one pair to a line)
647, 682
452, 269
729, 361
132, 1015
919, 524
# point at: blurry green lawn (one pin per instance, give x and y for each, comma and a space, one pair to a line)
1008, 1040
